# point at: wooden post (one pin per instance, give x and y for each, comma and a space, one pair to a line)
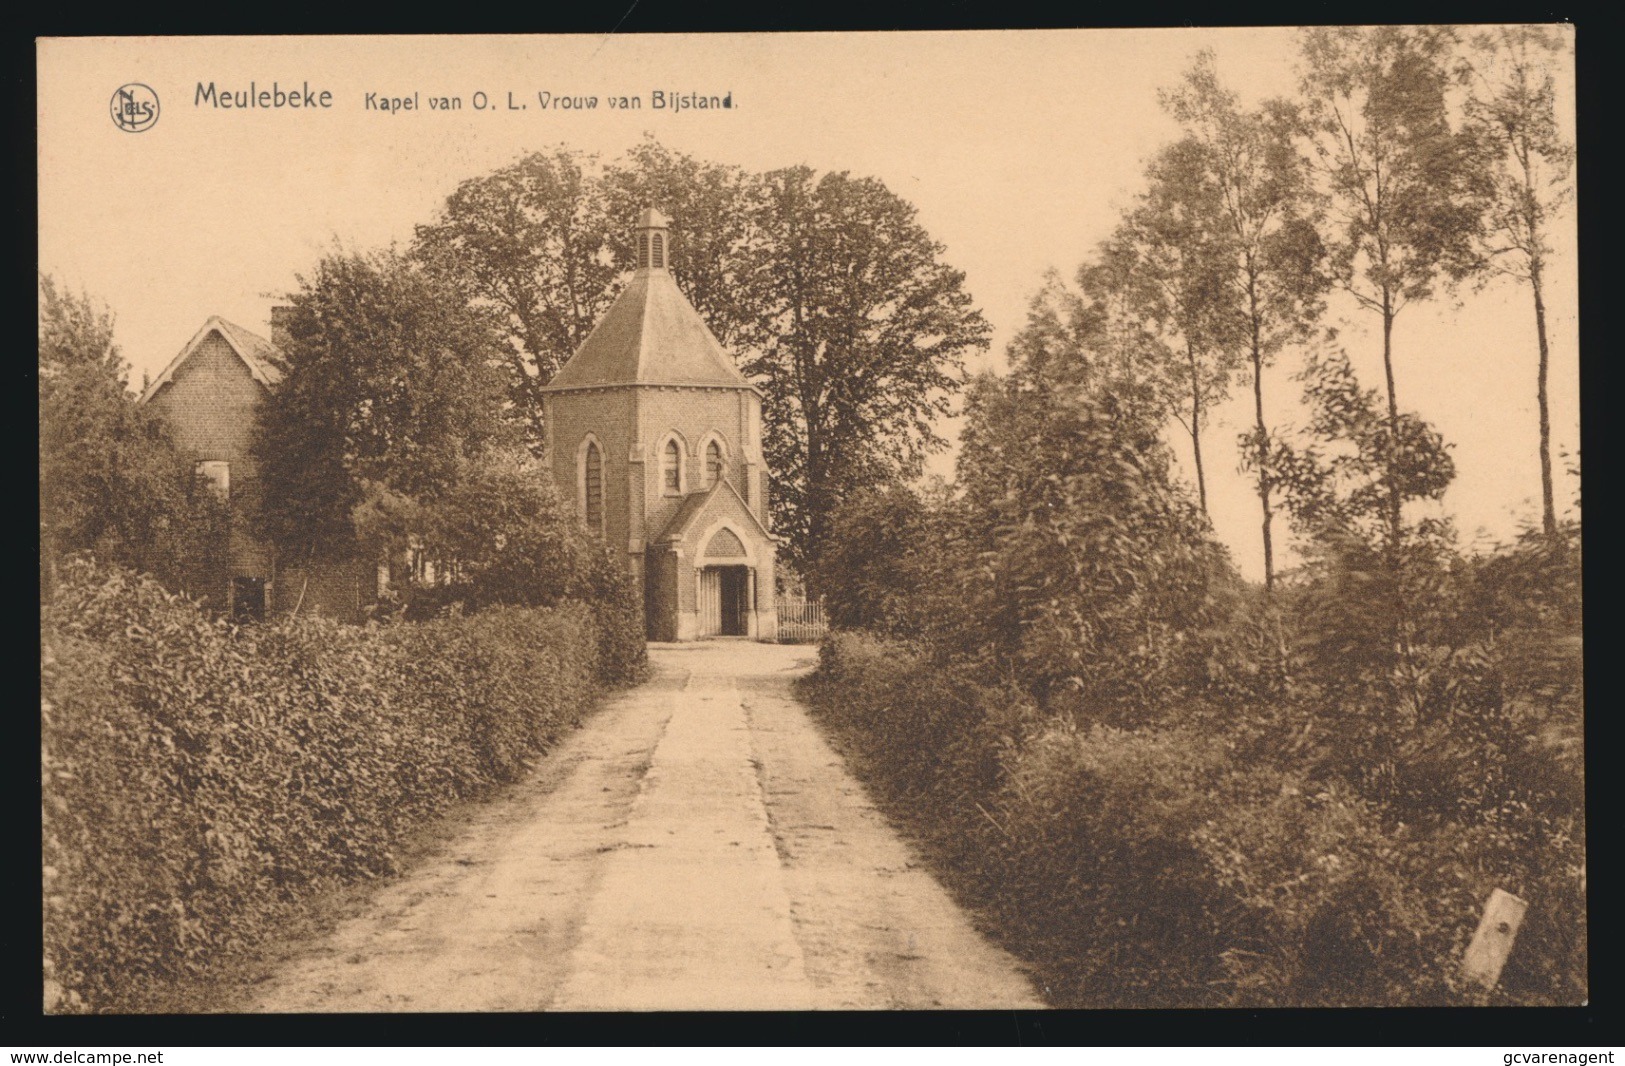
1487, 952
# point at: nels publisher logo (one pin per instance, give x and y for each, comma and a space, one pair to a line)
134, 107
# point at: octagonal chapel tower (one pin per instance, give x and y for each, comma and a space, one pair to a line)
660, 438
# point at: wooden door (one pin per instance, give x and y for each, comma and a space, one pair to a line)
734, 584
710, 602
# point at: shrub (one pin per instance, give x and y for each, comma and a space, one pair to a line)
875, 568
507, 537
1227, 857
112, 479
1082, 565
200, 779
1171, 790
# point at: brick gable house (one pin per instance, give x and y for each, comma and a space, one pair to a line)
209, 395
660, 438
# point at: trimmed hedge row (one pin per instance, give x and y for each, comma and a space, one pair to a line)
1190, 864
200, 780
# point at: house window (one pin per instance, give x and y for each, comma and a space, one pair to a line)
643, 250
218, 474
658, 259
671, 469
713, 463
593, 488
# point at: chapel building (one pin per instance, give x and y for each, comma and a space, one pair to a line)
658, 436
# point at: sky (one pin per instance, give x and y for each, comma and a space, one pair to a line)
1019, 148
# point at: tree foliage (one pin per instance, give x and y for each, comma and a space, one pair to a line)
708, 251
866, 331
1406, 193
1371, 593
1512, 105
1165, 273
1405, 188
530, 242
1339, 483
390, 387
829, 292
885, 562
1086, 569
1247, 163
112, 482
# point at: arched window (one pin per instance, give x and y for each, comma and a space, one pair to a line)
713, 463
671, 469
592, 484
643, 250
658, 260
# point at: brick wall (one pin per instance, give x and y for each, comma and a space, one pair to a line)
696, 414
607, 415
631, 424
661, 601
342, 590
209, 404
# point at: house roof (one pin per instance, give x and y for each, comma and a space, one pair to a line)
257, 353
696, 504
651, 335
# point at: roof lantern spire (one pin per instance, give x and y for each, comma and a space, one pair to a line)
652, 239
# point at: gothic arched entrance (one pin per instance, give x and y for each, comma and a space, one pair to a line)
725, 605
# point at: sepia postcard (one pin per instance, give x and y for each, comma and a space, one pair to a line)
932, 520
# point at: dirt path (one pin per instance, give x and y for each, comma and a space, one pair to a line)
696, 846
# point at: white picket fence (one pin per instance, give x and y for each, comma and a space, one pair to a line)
801, 621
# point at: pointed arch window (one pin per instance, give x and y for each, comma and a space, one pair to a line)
592, 487
657, 258
713, 463
671, 468
643, 250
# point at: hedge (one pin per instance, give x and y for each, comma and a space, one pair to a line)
199, 780
1185, 864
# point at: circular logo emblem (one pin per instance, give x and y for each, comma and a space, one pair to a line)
134, 108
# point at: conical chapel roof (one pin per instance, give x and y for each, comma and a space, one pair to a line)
651, 335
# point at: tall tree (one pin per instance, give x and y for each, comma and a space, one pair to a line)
547, 240
391, 382
1062, 332
1405, 188
826, 289
1370, 591
112, 481
1246, 161
709, 205
533, 242
1084, 567
1512, 100
865, 333
1166, 269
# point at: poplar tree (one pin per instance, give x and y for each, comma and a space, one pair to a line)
1164, 271
1404, 189
1245, 162
1512, 102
